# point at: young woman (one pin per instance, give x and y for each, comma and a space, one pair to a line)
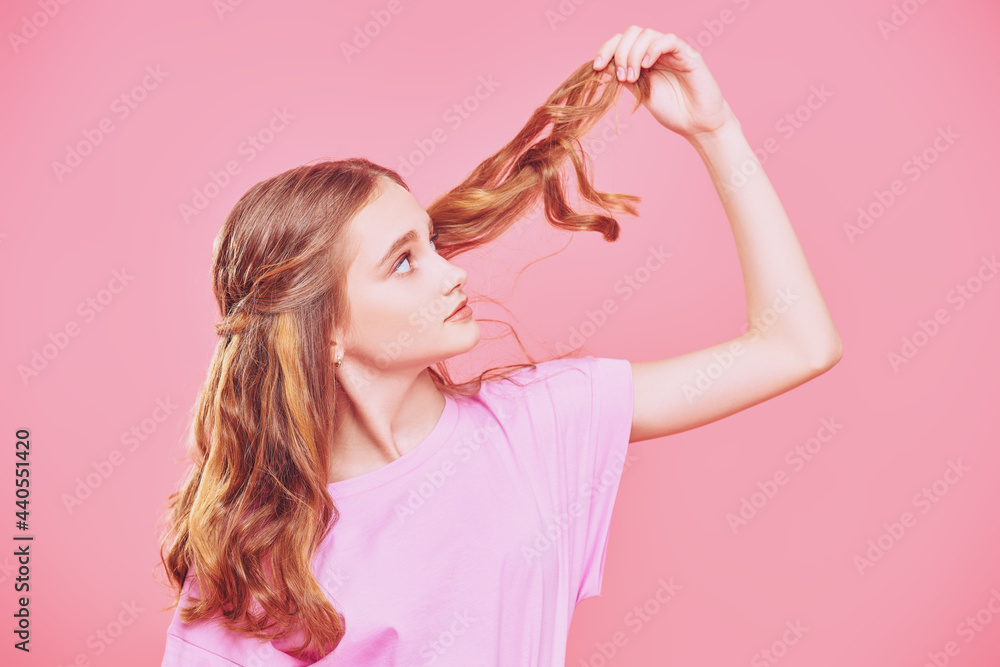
470, 518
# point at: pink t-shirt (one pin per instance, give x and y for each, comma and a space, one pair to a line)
475, 546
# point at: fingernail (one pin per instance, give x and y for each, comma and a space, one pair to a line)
630, 72
597, 61
621, 72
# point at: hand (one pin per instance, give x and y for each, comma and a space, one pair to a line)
683, 96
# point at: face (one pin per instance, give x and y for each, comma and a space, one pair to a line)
401, 291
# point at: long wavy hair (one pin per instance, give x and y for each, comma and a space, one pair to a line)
255, 506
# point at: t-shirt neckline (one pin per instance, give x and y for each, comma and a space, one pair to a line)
408, 461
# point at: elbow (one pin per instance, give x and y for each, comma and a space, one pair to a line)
823, 358
833, 357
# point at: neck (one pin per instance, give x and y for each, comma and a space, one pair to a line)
378, 421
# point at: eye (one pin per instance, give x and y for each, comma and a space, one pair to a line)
406, 258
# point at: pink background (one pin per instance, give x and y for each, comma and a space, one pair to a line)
149, 339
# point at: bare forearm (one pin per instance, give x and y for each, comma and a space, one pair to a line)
776, 275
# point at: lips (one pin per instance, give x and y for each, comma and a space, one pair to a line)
461, 305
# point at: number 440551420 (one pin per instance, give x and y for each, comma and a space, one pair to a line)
22, 472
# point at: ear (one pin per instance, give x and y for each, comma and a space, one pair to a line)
337, 344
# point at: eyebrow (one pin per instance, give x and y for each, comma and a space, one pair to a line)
401, 242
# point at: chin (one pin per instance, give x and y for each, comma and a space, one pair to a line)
465, 341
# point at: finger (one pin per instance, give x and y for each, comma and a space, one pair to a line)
622, 50
672, 46
604, 53
638, 55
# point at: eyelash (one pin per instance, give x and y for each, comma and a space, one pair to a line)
406, 257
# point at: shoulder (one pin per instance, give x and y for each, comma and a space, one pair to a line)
581, 383
526, 397
554, 371
568, 377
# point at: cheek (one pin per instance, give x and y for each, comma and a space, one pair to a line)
387, 313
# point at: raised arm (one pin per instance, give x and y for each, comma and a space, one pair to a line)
791, 337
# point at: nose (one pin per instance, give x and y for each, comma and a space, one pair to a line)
452, 276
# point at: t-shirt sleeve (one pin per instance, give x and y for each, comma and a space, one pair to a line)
179, 653
580, 412
208, 644
217, 647
603, 459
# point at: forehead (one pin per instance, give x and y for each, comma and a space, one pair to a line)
393, 199
390, 215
